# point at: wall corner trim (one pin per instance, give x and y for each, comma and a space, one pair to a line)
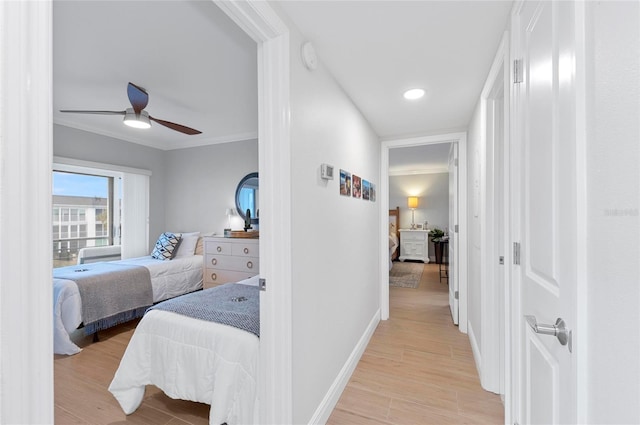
330, 399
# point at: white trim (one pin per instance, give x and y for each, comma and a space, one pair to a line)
330, 399
461, 138
275, 380
581, 345
490, 248
477, 356
26, 293
434, 170
79, 165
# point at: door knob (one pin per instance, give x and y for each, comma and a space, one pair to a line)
559, 330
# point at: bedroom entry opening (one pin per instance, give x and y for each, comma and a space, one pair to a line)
432, 169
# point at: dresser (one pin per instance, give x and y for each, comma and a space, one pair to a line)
414, 245
229, 260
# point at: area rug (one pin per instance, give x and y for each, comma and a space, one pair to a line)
405, 275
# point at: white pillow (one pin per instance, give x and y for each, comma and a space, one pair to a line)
188, 245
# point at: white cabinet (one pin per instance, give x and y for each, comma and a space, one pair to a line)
229, 260
414, 245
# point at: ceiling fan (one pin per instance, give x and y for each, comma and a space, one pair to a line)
136, 116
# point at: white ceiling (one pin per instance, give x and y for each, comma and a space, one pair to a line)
378, 49
199, 69
427, 159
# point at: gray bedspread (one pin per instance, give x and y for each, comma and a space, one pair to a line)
108, 290
231, 304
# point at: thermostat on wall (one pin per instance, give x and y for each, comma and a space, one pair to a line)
326, 171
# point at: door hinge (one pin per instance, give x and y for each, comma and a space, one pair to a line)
501, 260
456, 295
455, 228
263, 284
517, 71
516, 253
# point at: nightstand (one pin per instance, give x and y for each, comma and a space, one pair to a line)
414, 245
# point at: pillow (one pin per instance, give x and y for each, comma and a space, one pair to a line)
187, 244
166, 246
392, 228
199, 247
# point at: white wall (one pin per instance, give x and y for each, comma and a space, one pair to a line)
433, 193
613, 187
474, 155
201, 183
334, 238
433, 203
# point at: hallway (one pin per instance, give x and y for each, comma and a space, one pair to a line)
418, 368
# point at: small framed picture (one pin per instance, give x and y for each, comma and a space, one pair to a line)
372, 193
356, 190
366, 190
345, 183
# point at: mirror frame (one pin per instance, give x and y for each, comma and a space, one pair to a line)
241, 213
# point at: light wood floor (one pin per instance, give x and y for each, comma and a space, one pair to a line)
418, 368
81, 382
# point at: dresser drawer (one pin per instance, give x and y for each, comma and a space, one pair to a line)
220, 248
218, 277
241, 264
245, 249
414, 236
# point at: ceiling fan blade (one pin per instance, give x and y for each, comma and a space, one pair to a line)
176, 127
94, 112
138, 97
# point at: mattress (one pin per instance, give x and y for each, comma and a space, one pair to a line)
191, 359
168, 279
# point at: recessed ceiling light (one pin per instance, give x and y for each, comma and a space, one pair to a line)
414, 94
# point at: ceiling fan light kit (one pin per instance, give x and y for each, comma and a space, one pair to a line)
136, 116
140, 121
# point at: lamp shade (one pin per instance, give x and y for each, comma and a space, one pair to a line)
230, 211
412, 202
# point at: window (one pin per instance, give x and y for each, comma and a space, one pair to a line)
90, 201
83, 213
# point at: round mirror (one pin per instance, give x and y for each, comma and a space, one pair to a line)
247, 197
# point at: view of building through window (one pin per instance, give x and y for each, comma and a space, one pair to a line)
83, 214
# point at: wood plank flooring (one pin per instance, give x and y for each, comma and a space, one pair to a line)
81, 386
418, 368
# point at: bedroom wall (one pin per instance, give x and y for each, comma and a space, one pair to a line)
613, 202
474, 150
335, 239
201, 183
433, 203
78, 144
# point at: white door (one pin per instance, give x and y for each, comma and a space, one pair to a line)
453, 235
544, 174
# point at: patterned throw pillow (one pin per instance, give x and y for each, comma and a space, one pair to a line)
166, 246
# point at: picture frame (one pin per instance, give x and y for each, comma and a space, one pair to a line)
356, 188
372, 193
345, 183
366, 190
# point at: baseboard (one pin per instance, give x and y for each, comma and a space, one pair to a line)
322, 413
477, 356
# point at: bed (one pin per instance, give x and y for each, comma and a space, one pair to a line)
394, 235
193, 359
168, 278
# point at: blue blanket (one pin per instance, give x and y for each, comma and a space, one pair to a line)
230, 304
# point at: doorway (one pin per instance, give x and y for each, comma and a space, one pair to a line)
460, 140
